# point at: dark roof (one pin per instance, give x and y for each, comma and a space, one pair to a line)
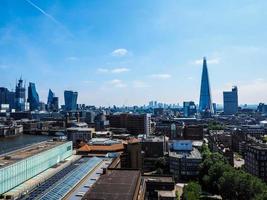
115, 185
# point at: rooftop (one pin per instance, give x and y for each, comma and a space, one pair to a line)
20, 154
194, 154
115, 185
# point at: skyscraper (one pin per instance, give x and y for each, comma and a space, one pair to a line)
4, 95
33, 97
70, 100
50, 97
20, 96
205, 102
230, 101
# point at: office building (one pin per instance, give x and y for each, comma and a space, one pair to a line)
52, 101
70, 100
33, 97
4, 96
205, 102
184, 160
50, 97
230, 101
134, 123
19, 166
256, 160
20, 96
190, 109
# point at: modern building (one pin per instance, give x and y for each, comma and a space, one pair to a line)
116, 184
230, 101
19, 166
134, 123
4, 95
20, 96
52, 101
184, 160
190, 109
70, 100
33, 97
205, 102
256, 160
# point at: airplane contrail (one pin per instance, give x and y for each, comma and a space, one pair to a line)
50, 17
45, 13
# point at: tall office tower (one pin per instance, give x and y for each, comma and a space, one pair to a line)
190, 109
70, 100
20, 96
11, 100
33, 97
230, 101
51, 95
4, 96
205, 102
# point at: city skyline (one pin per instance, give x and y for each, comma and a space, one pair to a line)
129, 54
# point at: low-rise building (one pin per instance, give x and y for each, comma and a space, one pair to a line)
256, 160
184, 160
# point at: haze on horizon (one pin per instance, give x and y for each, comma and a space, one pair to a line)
131, 52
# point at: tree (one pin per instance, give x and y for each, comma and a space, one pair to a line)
192, 191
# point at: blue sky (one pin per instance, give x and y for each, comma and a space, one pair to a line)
129, 52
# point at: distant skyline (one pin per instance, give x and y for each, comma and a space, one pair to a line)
117, 52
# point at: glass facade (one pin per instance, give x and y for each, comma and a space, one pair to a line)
205, 102
20, 96
15, 174
33, 97
230, 101
70, 100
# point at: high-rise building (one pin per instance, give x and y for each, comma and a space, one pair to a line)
50, 97
190, 109
33, 97
230, 101
70, 100
205, 102
20, 96
4, 96
52, 101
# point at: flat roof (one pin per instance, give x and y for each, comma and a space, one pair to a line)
194, 154
23, 153
116, 184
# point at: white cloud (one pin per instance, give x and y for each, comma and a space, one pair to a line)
251, 92
119, 70
114, 70
119, 52
140, 84
72, 58
160, 76
102, 70
118, 83
213, 61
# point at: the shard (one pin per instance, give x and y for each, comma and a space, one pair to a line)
205, 102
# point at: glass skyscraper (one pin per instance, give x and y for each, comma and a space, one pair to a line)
70, 100
230, 101
50, 97
20, 96
205, 102
33, 97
